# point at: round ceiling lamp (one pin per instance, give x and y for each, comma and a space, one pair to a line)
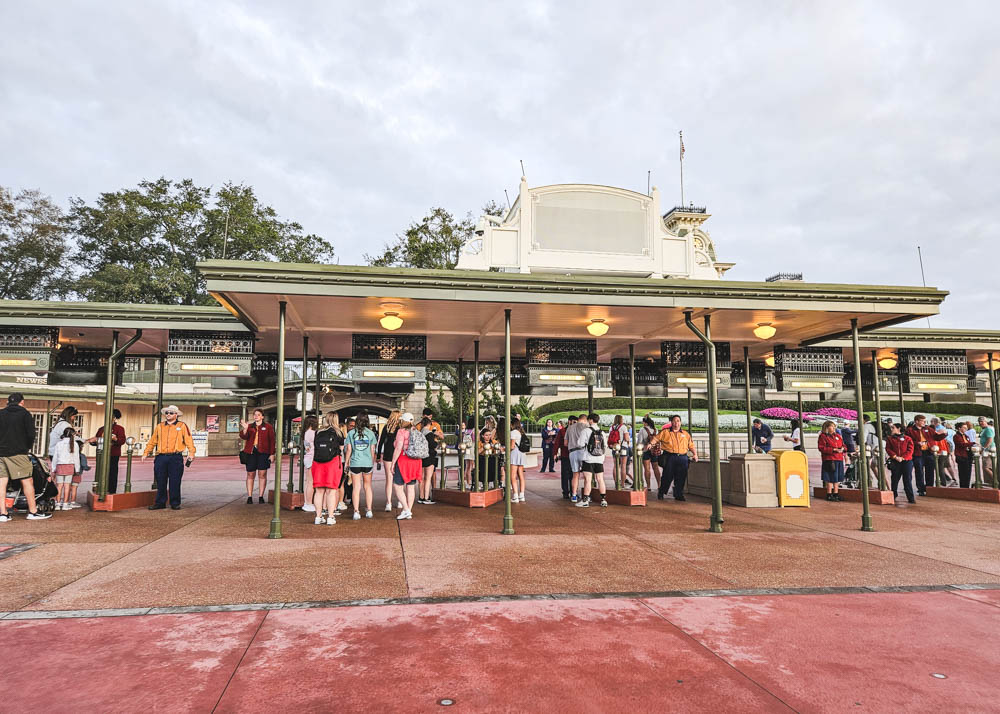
598, 327
887, 362
991, 364
390, 319
764, 331
769, 361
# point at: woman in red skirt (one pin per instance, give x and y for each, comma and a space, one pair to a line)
405, 471
327, 469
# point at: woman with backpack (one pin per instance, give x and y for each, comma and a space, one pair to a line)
327, 469
359, 454
384, 450
516, 461
619, 435
429, 462
407, 458
651, 455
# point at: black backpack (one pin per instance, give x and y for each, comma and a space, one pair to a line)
326, 446
595, 444
525, 444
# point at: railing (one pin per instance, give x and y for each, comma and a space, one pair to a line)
686, 209
783, 276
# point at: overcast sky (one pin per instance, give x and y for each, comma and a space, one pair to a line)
825, 137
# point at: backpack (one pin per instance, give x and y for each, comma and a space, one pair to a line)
417, 448
595, 444
326, 446
615, 436
525, 444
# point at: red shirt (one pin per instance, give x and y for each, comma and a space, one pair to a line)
560, 444
923, 436
118, 432
962, 444
899, 445
827, 444
265, 442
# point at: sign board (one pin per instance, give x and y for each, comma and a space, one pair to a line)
212, 423
232, 423
200, 443
298, 401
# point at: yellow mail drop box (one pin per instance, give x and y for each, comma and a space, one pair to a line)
793, 477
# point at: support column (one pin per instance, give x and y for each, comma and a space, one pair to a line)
158, 409
802, 425
902, 402
746, 395
590, 399
878, 423
103, 461
319, 388
279, 423
866, 516
690, 421
305, 395
716, 520
475, 418
508, 518
991, 361
638, 481
460, 408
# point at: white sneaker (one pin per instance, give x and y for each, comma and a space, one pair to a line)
331, 521
73, 504
405, 515
514, 499
388, 508
318, 521
369, 514
521, 498
356, 516
309, 508
4, 517
39, 516
341, 506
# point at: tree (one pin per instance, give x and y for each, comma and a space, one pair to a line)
34, 253
142, 245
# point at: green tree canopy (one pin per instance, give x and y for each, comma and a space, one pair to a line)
141, 245
33, 247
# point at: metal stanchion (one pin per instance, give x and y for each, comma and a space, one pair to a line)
129, 450
977, 461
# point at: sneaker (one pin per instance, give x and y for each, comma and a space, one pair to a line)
39, 516
829, 497
420, 500
429, 501
309, 508
4, 517
369, 514
356, 516
72, 505
585, 503
837, 497
388, 508
573, 498
249, 500
331, 521
318, 521
521, 498
342, 506
604, 503
404, 516
514, 499
260, 499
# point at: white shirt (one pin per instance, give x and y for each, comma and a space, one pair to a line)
62, 454
515, 437
589, 458
55, 436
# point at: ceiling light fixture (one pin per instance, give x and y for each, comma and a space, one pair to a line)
887, 362
598, 327
769, 361
391, 319
764, 330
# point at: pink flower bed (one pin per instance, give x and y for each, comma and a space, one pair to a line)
838, 412
782, 413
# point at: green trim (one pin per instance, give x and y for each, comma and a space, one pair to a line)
119, 316
903, 337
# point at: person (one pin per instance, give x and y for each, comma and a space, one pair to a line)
429, 413
171, 438
762, 436
384, 450
65, 465
346, 489
561, 449
650, 456
619, 435
489, 464
987, 441
17, 435
872, 441
516, 462
405, 469
359, 455
577, 436
832, 449
593, 461
677, 451
67, 417
963, 455
944, 458
309, 426
258, 447
117, 439
900, 449
327, 470
549, 433
923, 437
467, 438
429, 462
795, 438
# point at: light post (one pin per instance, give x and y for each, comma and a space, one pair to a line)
129, 450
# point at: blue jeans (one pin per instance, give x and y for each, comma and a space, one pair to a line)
167, 470
548, 461
902, 471
923, 469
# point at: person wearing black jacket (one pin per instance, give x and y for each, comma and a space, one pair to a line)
384, 451
762, 436
17, 435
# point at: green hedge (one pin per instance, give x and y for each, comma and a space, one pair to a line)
648, 404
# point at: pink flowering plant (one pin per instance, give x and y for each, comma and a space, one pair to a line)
838, 412
782, 413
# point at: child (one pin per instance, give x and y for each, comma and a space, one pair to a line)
832, 449
65, 465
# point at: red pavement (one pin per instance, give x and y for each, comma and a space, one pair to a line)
876, 652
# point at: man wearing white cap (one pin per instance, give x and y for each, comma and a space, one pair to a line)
171, 439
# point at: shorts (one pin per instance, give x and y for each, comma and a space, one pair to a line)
590, 468
361, 469
833, 471
648, 456
327, 475
15, 467
77, 478
429, 461
576, 460
257, 461
63, 478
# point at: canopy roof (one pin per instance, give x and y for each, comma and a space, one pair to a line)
976, 343
455, 307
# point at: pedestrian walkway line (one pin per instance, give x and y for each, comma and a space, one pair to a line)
378, 602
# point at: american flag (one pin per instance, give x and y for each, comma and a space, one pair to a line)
681, 134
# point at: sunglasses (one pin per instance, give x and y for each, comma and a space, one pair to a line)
169, 412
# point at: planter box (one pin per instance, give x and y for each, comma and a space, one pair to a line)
289, 501
875, 497
468, 499
983, 495
121, 501
622, 497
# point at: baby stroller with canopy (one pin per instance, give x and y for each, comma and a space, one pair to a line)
45, 490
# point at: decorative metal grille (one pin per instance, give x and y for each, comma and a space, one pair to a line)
691, 355
199, 342
265, 363
562, 352
758, 374
518, 376
70, 359
648, 372
937, 363
389, 348
38, 338
810, 360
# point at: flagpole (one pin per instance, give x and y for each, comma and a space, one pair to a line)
680, 135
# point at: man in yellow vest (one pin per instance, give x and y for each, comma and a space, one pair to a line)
678, 450
171, 439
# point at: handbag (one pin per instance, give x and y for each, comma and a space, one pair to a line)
243, 457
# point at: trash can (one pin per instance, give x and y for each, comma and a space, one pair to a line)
792, 471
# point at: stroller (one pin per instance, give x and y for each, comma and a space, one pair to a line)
45, 490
